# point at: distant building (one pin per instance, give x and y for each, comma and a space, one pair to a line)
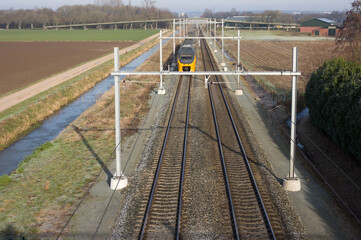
248, 18
320, 27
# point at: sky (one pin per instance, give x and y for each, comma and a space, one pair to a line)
200, 5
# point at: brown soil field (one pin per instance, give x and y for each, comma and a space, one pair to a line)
23, 63
277, 55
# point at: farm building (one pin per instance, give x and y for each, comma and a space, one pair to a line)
320, 27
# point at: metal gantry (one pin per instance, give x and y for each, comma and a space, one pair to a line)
118, 181
291, 182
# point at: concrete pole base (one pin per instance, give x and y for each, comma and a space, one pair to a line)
161, 91
292, 184
239, 92
117, 183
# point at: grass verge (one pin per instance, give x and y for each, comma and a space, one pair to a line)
26, 116
38, 200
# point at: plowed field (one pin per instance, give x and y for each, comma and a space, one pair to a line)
23, 63
277, 55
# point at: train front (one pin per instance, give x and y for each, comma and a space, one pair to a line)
186, 59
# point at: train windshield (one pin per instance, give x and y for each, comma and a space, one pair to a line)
186, 57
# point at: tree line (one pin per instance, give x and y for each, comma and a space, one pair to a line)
275, 16
100, 12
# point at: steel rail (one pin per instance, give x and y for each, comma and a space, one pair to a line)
151, 195
244, 155
219, 142
183, 163
339, 198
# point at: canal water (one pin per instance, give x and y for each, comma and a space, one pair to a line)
52, 126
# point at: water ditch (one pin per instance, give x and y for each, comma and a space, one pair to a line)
52, 126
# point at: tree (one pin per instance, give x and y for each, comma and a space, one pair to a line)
272, 16
102, 11
333, 96
233, 12
19, 16
8, 16
30, 17
45, 16
349, 40
66, 14
148, 3
207, 13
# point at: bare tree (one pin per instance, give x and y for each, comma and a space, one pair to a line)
207, 13
66, 14
3, 18
103, 11
112, 3
148, 3
30, 18
19, 17
349, 39
45, 15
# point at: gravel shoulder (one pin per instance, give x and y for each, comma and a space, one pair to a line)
141, 177
312, 210
203, 198
135, 153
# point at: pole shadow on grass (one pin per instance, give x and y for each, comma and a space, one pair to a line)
95, 155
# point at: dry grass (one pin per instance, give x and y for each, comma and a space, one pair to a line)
39, 201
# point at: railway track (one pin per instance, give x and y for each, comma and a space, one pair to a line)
242, 208
337, 176
163, 211
248, 214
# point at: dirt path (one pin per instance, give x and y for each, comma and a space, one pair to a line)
19, 96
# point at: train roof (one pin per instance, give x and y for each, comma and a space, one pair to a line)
188, 45
188, 42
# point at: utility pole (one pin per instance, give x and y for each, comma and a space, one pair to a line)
118, 181
291, 182
222, 40
173, 38
238, 91
180, 31
215, 31
161, 89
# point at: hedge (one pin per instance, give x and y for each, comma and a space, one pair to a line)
333, 96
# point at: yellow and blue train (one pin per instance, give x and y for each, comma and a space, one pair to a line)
187, 57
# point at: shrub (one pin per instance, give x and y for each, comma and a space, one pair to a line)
333, 96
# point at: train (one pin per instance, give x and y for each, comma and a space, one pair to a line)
186, 58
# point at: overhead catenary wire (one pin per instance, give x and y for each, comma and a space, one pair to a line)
316, 146
233, 215
351, 212
253, 181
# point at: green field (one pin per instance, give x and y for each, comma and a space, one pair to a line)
74, 35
